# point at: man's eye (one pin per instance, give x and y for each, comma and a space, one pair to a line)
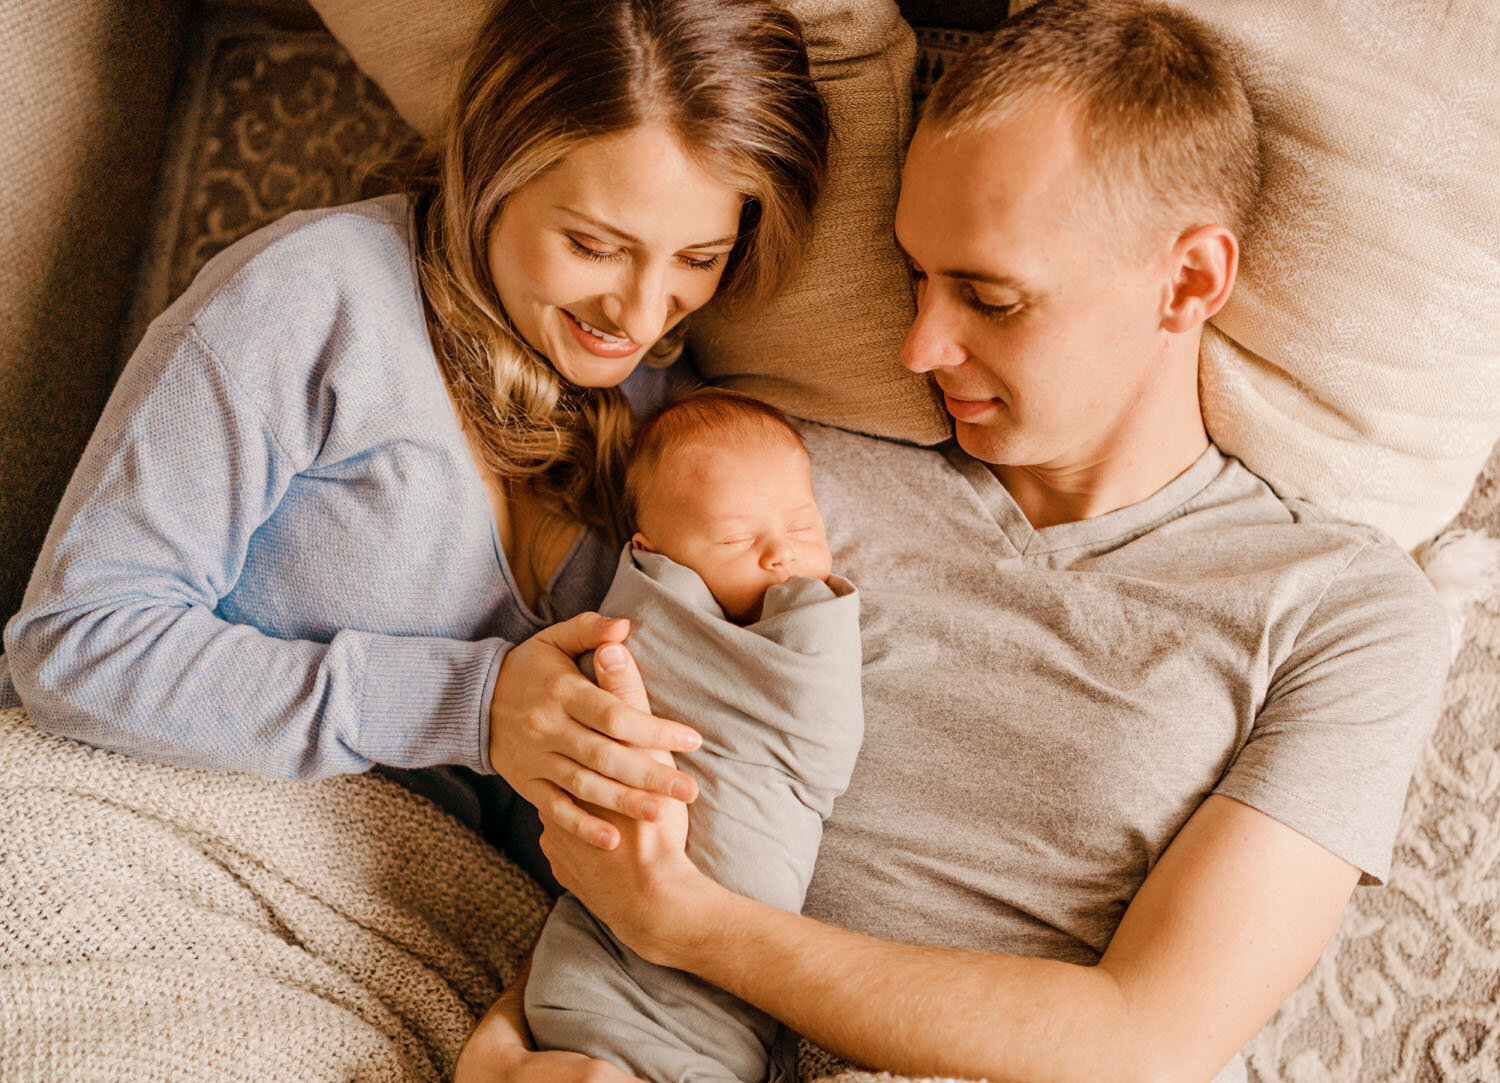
986, 309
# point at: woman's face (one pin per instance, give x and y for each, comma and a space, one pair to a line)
598, 257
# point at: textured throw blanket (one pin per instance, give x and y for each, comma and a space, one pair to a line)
778, 705
159, 922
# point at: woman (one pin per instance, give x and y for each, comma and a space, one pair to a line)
352, 476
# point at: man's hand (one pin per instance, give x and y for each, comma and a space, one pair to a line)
521, 1065
646, 890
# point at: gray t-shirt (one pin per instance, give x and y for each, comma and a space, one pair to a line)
1044, 709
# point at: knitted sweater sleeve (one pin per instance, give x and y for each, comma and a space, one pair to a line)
119, 644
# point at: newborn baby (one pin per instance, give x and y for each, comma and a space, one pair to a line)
741, 631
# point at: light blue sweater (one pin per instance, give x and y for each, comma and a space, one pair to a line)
276, 554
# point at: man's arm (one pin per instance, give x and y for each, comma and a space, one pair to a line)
1228, 922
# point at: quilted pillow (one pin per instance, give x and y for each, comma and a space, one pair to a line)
826, 347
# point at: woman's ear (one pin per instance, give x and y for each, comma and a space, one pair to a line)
1205, 261
640, 541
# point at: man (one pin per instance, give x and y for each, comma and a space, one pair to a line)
1135, 726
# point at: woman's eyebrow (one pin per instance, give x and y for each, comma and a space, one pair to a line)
630, 239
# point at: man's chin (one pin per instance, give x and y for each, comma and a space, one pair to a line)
988, 443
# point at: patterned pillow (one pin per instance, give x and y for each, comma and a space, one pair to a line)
826, 347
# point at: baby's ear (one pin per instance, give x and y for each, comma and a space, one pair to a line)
640, 541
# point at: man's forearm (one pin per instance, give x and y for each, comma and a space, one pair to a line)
914, 1010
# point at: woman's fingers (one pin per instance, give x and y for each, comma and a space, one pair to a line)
599, 710
585, 632
583, 783
632, 767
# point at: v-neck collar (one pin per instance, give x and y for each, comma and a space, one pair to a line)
1133, 519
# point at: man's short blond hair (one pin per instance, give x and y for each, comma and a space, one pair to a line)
1160, 102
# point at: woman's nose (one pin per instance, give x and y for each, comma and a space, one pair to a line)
641, 305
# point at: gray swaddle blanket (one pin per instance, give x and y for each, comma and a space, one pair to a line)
778, 705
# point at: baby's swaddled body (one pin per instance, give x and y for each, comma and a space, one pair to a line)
777, 703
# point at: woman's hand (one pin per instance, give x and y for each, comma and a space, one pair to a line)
559, 739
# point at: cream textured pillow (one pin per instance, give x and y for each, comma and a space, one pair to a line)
826, 348
1357, 364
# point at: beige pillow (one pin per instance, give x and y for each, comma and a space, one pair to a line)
1357, 364
826, 348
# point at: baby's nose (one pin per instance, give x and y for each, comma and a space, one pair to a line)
780, 559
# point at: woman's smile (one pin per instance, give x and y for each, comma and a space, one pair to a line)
596, 341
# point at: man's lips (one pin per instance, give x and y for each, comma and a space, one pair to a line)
965, 409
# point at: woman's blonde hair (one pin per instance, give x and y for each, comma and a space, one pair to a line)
728, 77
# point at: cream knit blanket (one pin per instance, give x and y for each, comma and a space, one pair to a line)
158, 922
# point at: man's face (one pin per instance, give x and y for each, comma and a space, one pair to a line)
1038, 321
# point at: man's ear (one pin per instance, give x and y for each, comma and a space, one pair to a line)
640, 541
1205, 261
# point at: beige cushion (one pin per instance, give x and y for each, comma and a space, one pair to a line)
1358, 364
826, 348
84, 92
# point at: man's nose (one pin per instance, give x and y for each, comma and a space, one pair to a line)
641, 304
930, 342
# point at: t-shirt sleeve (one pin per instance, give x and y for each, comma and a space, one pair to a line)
119, 644
1348, 711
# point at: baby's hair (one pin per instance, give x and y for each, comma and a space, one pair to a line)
717, 412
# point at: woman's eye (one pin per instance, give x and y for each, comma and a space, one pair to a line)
581, 249
702, 264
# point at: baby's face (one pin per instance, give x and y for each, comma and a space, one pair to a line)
742, 517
